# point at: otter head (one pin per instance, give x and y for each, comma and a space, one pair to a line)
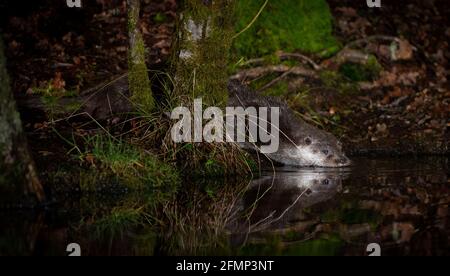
314, 147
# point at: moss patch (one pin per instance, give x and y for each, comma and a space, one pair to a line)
358, 72
287, 25
337, 81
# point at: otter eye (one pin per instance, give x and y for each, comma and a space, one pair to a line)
325, 152
308, 141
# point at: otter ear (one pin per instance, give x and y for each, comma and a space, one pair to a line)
308, 141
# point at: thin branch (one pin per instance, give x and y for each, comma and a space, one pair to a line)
300, 57
372, 38
256, 72
285, 56
275, 81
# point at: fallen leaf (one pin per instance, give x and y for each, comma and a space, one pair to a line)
58, 82
404, 51
77, 60
346, 11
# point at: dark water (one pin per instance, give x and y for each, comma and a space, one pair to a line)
400, 204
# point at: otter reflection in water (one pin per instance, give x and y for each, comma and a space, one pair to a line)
278, 200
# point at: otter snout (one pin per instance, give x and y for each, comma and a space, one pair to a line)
343, 161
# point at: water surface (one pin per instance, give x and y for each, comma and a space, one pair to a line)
400, 204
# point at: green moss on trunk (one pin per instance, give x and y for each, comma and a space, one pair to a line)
139, 82
205, 37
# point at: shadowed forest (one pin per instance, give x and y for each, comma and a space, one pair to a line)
87, 154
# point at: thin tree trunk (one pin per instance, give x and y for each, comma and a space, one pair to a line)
19, 183
139, 83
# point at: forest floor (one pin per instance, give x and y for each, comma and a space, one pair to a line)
54, 51
407, 108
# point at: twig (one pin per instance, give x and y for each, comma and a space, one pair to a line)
300, 57
285, 56
273, 82
371, 38
254, 73
352, 56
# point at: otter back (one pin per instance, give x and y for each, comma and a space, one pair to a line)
301, 144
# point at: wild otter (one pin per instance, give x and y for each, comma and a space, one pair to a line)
300, 144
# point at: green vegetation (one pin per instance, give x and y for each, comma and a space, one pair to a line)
211, 160
53, 100
118, 221
358, 72
137, 169
280, 89
288, 25
351, 214
197, 222
338, 82
160, 17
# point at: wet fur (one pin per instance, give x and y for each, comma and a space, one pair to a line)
305, 145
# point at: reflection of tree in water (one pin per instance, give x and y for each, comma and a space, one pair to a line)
19, 234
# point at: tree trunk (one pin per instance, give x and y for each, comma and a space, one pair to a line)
139, 83
19, 183
204, 39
